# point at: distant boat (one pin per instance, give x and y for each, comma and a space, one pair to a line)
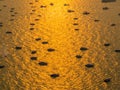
108, 0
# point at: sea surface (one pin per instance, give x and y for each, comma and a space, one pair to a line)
59, 45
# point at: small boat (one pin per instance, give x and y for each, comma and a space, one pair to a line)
105, 1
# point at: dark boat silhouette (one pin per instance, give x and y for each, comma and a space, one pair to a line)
108, 0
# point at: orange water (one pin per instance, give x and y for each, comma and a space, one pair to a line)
66, 35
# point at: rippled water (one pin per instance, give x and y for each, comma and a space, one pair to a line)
59, 45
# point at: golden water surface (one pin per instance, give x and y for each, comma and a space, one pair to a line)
63, 26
